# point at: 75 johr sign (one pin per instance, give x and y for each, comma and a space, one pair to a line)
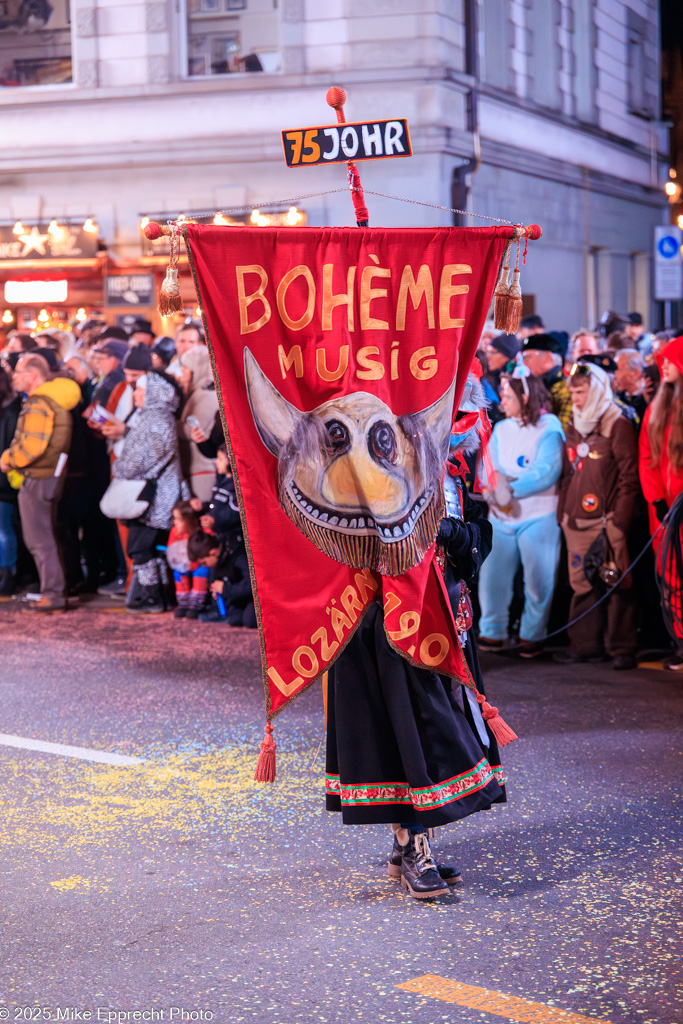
337, 143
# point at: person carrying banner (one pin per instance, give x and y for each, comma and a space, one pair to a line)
406, 746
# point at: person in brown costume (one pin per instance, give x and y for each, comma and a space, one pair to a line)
598, 492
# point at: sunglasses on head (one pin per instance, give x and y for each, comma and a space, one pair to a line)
580, 370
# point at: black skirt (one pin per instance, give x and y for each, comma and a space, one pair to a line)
399, 746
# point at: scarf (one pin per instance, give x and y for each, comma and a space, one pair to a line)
599, 399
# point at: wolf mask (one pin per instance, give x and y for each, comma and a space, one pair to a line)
363, 485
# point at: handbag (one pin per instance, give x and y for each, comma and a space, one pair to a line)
129, 499
599, 566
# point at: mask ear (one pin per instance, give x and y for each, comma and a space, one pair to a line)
274, 417
437, 418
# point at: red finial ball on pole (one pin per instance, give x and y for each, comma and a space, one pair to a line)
336, 97
153, 230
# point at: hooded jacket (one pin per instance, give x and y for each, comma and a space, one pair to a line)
44, 428
150, 450
662, 482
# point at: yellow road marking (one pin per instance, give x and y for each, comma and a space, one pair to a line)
476, 998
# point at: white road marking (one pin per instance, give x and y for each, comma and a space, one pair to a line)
83, 753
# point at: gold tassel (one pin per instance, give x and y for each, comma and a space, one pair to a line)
169, 293
513, 312
501, 294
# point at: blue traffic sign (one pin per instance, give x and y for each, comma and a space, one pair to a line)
668, 247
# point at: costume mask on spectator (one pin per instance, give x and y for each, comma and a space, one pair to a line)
362, 484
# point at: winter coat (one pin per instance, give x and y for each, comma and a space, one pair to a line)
233, 569
202, 403
104, 387
663, 482
44, 428
150, 451
605, 478
556, 383
9, 414
223, 506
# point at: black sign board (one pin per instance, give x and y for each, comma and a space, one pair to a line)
130, 290
47, 242
336, 143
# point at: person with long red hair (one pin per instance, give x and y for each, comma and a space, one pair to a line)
661, 477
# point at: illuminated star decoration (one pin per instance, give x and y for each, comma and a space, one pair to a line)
34, 242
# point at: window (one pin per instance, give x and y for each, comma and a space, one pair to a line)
544, 19
496, 33
35, 42
227, 36
584, 60
642, 89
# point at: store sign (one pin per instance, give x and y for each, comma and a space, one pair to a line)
336, 143
130, 290
668, 265
47, 242
19, 293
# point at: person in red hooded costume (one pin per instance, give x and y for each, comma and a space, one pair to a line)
661, 477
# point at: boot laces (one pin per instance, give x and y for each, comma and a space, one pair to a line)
423, 854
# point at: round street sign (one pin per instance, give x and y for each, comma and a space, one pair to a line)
668, 247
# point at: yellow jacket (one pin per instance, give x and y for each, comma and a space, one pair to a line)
44, 428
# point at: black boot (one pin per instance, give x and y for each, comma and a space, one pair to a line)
6, 584
146, 594
134, 595
419, 873
449, 874
166, 583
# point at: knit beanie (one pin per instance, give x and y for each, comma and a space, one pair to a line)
138, 358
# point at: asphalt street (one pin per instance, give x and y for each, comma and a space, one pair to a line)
177, 887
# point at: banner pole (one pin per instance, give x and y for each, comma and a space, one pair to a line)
336, 98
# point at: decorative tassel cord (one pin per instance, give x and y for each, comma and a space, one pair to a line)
675, 508
333, 191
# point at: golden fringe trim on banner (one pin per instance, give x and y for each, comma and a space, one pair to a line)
370, 551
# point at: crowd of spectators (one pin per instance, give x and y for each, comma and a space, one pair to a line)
587, 446
114, 477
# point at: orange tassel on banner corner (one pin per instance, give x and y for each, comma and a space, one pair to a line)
265, 766
500, 729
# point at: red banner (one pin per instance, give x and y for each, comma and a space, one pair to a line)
339, 354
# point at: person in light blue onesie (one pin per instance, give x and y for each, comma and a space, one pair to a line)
527, 449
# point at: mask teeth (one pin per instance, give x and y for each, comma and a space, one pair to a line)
371, 552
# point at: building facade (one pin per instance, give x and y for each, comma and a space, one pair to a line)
526, 110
